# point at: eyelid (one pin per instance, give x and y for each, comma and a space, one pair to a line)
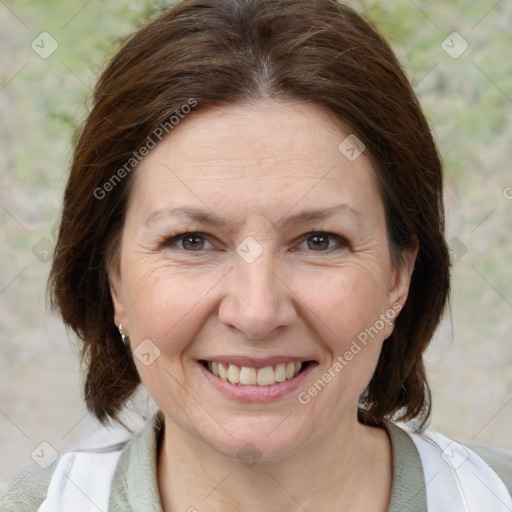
171, 240
341, 240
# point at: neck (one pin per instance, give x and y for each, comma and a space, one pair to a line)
349, 470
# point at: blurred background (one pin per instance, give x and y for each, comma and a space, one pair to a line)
457, 55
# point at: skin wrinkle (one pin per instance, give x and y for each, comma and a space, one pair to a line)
202, 216
315, 307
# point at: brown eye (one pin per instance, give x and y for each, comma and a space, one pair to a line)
318, 242
321, 242
192, 242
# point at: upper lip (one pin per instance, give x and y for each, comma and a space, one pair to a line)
256, 362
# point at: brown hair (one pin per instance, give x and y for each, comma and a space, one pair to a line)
225, 51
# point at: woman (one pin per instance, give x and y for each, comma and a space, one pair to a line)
253, 229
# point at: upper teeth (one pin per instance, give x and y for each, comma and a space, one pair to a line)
252, 376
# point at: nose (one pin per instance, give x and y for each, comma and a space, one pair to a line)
257, 301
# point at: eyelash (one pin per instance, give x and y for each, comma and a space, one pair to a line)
169, 241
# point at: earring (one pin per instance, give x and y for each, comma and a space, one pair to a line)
392, 325
124, 337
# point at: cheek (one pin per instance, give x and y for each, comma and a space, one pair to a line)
349, 307
345, 300
164, 302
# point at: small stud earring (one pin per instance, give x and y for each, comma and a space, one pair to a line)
124, 337
392, 325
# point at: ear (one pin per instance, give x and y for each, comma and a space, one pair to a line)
115, 284
400, 277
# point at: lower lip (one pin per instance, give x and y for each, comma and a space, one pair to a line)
248, 393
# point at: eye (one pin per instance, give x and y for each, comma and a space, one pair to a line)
192, 242
319, 241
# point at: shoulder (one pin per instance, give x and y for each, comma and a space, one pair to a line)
92, 467
454, 470
90, 472
499, 459
26, 490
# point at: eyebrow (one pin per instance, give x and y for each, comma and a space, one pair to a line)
208, 218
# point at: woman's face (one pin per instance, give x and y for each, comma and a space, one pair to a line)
289, 263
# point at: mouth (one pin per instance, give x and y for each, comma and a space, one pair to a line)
250, 376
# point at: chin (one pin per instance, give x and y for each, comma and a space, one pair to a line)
257, 439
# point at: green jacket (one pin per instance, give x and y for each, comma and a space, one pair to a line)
134, 485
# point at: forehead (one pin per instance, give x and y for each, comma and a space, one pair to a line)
267, 156
266, 131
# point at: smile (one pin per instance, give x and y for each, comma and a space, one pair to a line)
248, 376
250, 380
